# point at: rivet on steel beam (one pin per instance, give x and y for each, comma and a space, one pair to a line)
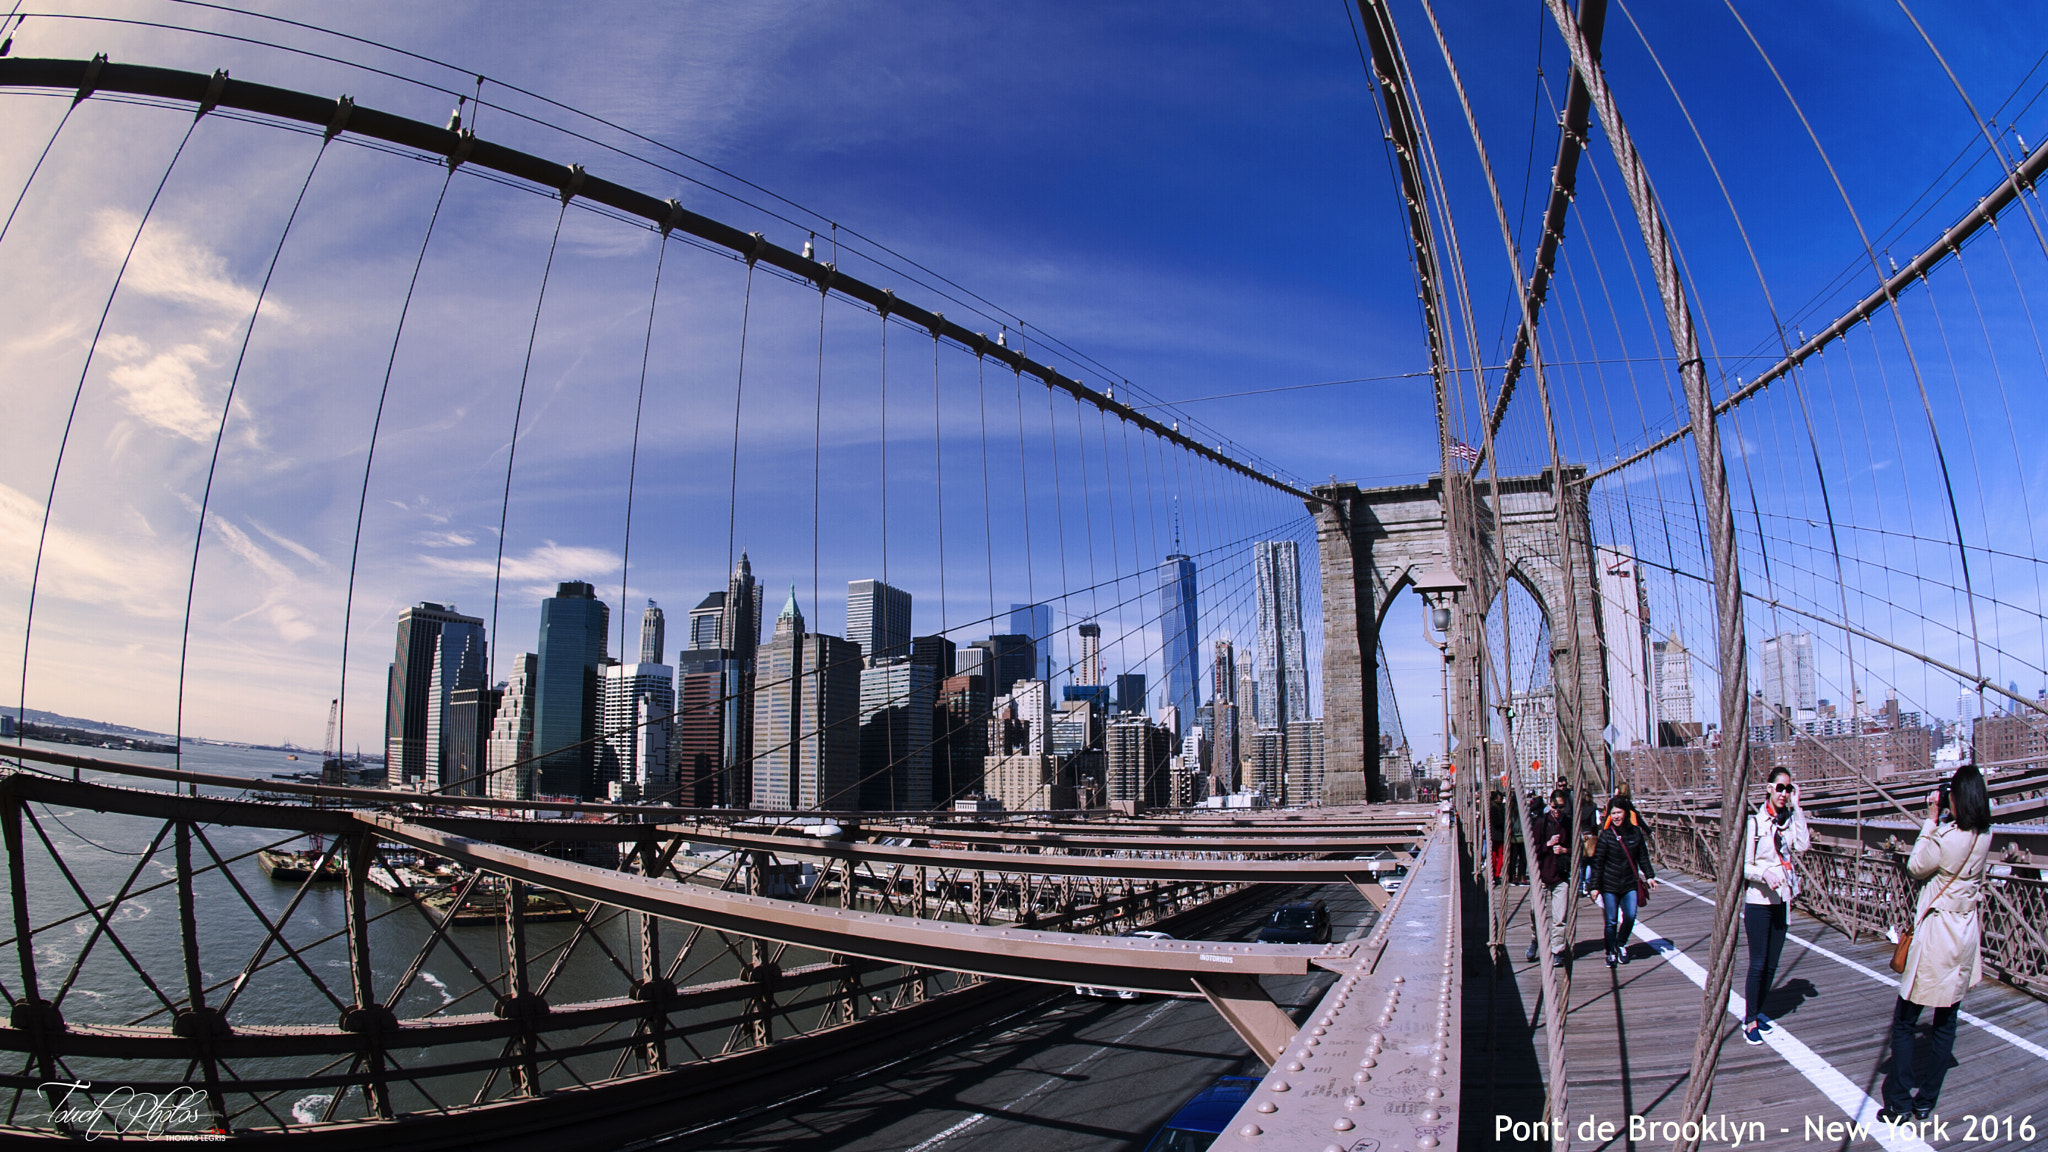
1277, 1086
1294, 1065
1267, 1107
1249, 1130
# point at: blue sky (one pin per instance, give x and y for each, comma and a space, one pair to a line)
1196, 196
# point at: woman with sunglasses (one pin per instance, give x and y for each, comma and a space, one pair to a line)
1777, 833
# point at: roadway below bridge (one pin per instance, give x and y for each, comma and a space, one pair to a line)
1071, 1074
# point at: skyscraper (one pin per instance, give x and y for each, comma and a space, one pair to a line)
878, 618
509, 754
1010, 658
700, 721
1035, 622
1624, 618
934, 652
1223, 718
1671, 673
652, 632
573, 627
806, 713
1180, 631
1790, 685
636, 711
897, 695
739, 633
962, 748
1130, 694
1283, 652
707, 621
1089, 671
428, 667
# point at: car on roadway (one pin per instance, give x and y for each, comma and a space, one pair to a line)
1303, 922
1120, 993
1202, 1119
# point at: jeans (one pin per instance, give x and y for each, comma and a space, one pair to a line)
1621, 906
1764, 924
1556, 901
1900, 1082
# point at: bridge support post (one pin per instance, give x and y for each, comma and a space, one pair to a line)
1245, 1005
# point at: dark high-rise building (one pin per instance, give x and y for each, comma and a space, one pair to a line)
573, 626
700, 724
653, 630
897, 697
934, 652
707, 621
1180, 632
878, 618
1011, 657
1130, 694
739, 633
961, 735
439, 652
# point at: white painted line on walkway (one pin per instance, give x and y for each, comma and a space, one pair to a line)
1048, 1082
1854, 1101
1889, 981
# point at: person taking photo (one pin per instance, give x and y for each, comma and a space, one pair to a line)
1951, 858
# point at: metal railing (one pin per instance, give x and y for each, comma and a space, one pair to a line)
1866, 890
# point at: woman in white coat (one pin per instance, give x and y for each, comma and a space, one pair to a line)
1951, 857
1777, 833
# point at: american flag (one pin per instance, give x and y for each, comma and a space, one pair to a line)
1463, 451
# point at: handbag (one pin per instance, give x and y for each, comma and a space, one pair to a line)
1642, 885
1905, 944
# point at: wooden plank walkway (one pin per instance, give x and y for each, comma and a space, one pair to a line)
1629, 1037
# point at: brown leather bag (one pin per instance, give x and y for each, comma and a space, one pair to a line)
1905, 944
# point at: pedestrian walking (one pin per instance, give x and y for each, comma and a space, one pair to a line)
1589, 838
1951, 857
1552, 832
1497, 827
1777, 833
1622, 874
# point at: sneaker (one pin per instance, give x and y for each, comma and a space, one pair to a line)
1625, 957
1922, 1109
1530, 955
1887, 1116
1752, 1037
1611, 961
1763, 1022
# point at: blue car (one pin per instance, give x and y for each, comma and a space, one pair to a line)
1203, 1118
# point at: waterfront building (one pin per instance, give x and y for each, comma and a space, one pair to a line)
573, 627
508, 754
1023, 782
806, 713
961, 719
466, 737
439, 651
635, 714
739, 633
897, 697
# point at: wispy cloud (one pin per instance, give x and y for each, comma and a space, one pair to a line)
172, 265
549, 562
166, 392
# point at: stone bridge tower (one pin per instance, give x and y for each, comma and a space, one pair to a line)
1373, 542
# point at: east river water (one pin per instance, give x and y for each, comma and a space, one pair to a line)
103, 850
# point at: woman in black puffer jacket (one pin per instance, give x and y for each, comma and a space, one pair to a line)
1622, 854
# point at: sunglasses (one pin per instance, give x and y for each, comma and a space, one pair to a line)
1781, 787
